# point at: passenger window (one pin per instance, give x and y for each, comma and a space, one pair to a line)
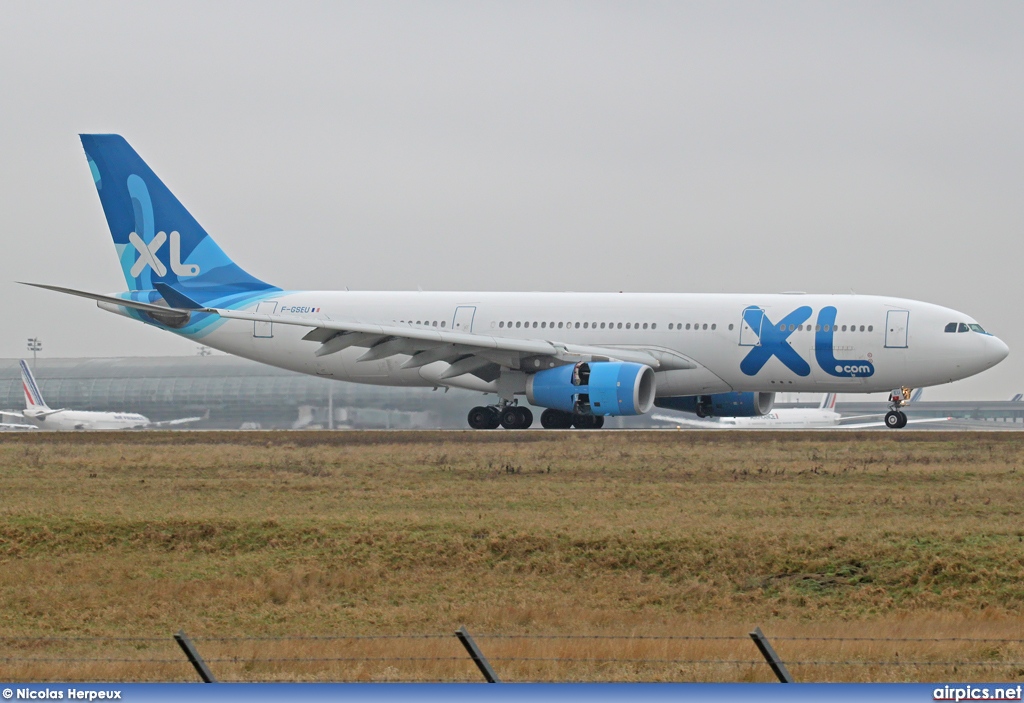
654, 325
559, 325
871, 328
442, 323
645, 325
706, 326
714, 326
687, 325
627, 325
543, 325
862, 328
620, 326
517, 324
670, 325
730, 325
577, 325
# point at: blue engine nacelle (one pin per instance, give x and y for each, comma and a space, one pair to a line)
595, 388
721, 404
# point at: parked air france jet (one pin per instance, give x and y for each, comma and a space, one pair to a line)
582, 356
822, 417
43, 417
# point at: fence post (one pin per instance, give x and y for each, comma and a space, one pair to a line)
769, 654
478, 657
193, 656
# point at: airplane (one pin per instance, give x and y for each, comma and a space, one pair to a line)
822, 417
42, 416
581, 356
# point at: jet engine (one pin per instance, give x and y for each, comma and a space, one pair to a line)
752, 404
594, 388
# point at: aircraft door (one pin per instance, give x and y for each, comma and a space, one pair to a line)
896, 324
750, 326
264, 329
463, 320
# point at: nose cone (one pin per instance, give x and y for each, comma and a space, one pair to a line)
996, 350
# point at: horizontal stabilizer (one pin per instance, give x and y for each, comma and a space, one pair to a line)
112, 299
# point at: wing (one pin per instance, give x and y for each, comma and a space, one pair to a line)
862, 425
179, 421
16, 426
687, 422
430, 345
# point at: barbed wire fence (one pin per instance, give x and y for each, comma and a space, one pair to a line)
507, 658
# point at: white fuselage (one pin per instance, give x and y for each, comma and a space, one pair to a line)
872, 343
65, 420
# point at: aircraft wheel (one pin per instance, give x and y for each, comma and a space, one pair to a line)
584, 422
551, 419
480, 418
510, 418
598, 422
903, 419
525, 418
892, 420
494, 419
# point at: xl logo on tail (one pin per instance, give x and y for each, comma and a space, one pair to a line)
147, 256
145, 224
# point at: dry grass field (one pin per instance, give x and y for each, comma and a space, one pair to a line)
638, 535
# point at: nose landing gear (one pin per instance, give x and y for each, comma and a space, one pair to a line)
896, 419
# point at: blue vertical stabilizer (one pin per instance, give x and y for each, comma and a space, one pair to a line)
156, 238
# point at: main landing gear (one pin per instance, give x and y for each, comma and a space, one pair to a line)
511, 417
896, 419
514, 417
559, 420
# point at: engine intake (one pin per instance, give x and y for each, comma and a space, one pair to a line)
594, 388
751, 404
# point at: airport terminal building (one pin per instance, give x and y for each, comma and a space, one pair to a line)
237, 393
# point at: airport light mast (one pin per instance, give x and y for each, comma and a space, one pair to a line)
35, 345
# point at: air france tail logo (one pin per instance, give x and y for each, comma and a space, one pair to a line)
147, 241
773, 342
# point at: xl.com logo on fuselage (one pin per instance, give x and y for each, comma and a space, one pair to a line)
774, 342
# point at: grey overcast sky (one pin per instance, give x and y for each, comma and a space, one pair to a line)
717, 146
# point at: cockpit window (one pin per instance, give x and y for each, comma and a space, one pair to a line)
962, 327
951, 327
978, 328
